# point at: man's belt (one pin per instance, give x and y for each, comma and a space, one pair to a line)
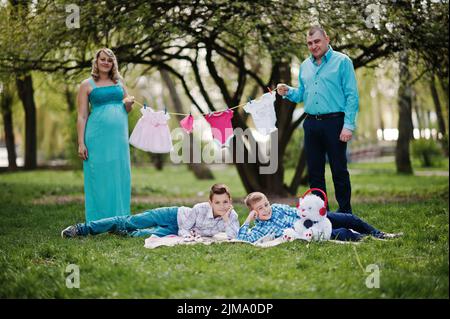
325, 116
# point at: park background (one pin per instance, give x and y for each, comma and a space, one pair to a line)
204, 56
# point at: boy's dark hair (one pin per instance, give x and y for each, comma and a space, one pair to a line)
253, 198
219, 189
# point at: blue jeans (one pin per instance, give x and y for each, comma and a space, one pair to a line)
322, 138
159, 221
342, 223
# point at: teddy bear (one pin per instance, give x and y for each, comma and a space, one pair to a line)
313, 223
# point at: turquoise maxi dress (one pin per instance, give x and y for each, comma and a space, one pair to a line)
107, 177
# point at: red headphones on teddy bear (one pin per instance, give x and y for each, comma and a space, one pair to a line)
323, 210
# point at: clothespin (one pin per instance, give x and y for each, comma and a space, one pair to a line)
249, 99
270, 91
165, 110
145, 105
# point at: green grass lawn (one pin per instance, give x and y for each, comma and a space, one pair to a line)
35, 206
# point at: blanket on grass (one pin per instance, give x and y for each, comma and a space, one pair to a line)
172, 240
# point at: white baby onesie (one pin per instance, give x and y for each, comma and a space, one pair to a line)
263, 113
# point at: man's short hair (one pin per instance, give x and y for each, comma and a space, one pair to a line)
253, 198
316, 28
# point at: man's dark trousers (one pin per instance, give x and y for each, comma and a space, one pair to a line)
322, 137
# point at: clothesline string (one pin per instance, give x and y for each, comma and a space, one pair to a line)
173, 113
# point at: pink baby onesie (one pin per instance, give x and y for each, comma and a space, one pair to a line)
221, 127
187, 123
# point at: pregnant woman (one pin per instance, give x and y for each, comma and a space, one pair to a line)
103, 139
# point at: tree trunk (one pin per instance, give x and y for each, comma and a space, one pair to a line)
72, 145
255, 175
274, 183
444, 85
299, 179
6, 109
158, 161
200, 170
70, 96
26, 94
417, 110
284, 110
381, 122
252, 176
405, 127
440, 117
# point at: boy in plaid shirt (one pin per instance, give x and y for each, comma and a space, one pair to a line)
272, 220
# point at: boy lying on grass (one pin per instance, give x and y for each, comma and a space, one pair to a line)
204, 219
272, 220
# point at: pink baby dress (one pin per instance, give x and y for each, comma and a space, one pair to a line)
151, 133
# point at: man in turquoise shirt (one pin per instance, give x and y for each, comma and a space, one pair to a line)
328, 88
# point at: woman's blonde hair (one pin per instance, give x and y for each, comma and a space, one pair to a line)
114, 73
